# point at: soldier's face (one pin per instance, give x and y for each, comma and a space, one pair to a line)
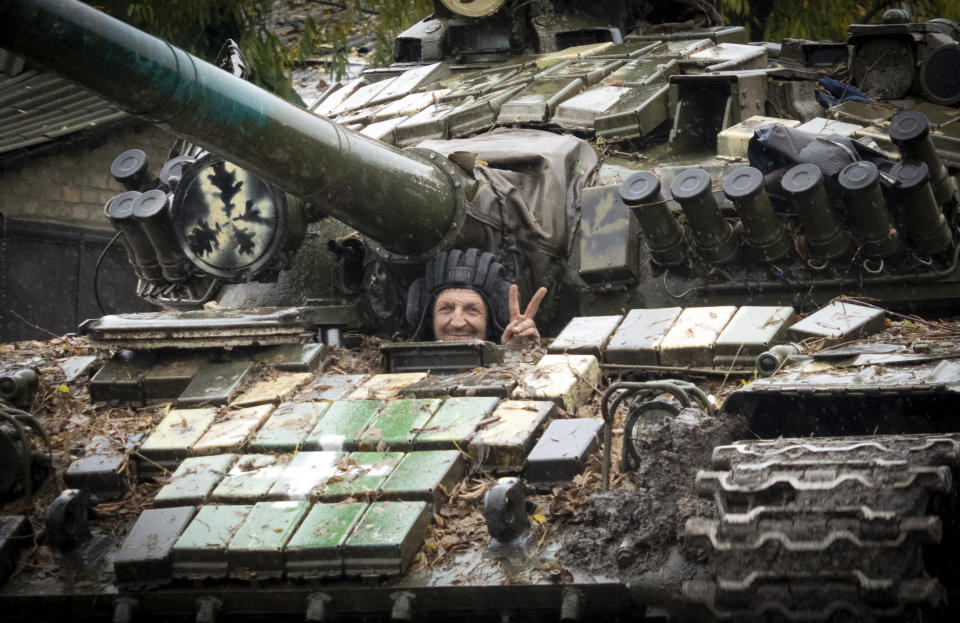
459, 314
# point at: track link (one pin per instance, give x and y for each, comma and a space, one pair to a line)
822, 529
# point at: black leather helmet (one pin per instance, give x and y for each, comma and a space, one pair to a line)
470, 270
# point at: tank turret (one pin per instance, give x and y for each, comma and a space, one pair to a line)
489, 137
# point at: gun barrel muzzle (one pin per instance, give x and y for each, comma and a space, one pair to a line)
712, 234
661, 231
825, 238
767, 237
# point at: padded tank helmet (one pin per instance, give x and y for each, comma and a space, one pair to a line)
470, 270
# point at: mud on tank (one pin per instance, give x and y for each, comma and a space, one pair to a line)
656, 172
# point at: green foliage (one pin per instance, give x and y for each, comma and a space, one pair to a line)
773, 20
383, 19
395, 16
202, 26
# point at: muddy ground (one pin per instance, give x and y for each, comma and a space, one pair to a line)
635, 528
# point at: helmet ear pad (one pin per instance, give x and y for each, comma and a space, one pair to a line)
471, 270
415, 302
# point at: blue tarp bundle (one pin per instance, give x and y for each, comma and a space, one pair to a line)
839, 92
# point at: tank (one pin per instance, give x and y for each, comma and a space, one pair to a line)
335, 171
681, 193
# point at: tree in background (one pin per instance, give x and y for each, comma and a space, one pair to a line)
774, 20
381, 20
201, 26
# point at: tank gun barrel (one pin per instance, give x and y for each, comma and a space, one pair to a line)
406, 202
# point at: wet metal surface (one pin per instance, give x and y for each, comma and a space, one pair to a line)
272, 390
121, 378
568, 380
359, 476
383, 386
332, 387
562, 451
690, 342
586, 335
609, 238
453, 424
426, 476
256, 550
171, 440
316, 549
169, 376
231, 430
250, 478
386, 539
100, 474
145, 557
537, 102
732, 142
75, 367
215, 383
839, 322
493, 382
197, 329
341, 425
303, 473
398, 424
199, 553
439, 357
638, 338
504, 442
288, 426
194, 480
295, 357
751, 331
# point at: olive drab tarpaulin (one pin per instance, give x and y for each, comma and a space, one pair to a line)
530, 181
530, 185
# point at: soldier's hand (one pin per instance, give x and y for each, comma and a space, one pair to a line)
522, 327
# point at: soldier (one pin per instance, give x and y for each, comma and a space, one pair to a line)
463, 296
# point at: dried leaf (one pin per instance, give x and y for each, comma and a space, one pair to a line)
449, 541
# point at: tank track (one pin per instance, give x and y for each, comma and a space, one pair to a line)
821, 529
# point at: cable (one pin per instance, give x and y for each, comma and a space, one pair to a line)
17, 418
683, 391
96, 272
